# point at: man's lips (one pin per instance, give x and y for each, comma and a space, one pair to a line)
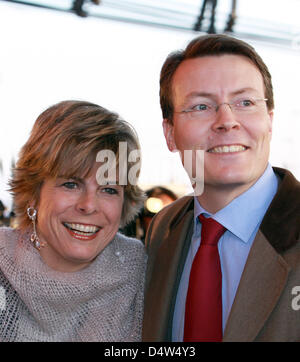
228, 148
82, 231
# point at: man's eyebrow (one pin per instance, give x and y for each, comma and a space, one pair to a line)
195, 94
244, 90
199, 94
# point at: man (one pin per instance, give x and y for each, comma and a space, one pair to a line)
217, 98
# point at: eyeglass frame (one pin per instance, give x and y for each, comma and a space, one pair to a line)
217, 106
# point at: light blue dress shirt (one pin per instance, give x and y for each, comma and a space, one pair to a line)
242, 218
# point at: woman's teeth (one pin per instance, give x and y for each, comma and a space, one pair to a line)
82, 229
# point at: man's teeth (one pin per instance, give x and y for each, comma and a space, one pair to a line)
225, 149
82, 228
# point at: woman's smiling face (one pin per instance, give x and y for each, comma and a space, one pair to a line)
77, 218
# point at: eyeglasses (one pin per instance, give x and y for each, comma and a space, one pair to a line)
207, 110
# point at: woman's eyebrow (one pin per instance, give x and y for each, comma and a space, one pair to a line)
75, 178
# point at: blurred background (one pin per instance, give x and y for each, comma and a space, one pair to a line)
111, 51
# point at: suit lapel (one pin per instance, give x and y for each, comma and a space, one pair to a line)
263, 279
166, 276
181, 236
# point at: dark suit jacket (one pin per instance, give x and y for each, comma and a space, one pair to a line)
267, 303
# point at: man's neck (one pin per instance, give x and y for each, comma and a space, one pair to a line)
214, 198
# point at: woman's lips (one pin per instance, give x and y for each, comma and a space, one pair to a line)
82, 231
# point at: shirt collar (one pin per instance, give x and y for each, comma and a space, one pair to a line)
245, 213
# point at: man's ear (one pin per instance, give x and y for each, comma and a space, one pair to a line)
169, 134
271, 115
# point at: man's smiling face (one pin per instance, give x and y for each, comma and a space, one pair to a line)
236, 146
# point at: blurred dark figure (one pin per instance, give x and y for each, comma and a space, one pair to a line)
212, 4
78, 4
2, 208
12, 220
157, 198
232, 17
6, 219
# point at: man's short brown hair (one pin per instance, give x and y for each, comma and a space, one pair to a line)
209, 45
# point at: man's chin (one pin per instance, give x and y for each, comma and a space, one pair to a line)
229, 180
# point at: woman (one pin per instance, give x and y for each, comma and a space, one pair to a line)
66, 274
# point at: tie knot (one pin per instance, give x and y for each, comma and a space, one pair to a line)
211, 231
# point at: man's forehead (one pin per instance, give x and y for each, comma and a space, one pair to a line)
213, 62
196, 75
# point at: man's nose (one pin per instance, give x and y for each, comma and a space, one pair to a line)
225, 119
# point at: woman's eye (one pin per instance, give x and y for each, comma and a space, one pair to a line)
110, 190
70, 185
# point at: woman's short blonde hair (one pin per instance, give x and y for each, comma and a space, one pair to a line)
65, 140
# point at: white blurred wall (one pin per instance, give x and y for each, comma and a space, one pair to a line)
49, 56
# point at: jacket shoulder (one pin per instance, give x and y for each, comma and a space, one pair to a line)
163, 221
281, 224
173, 209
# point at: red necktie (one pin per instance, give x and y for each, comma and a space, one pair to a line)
203, 309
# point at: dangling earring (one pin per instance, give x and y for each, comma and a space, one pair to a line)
31, 212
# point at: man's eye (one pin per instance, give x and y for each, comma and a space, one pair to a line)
245, 103
201, 107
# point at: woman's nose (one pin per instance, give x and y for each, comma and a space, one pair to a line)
87, 203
